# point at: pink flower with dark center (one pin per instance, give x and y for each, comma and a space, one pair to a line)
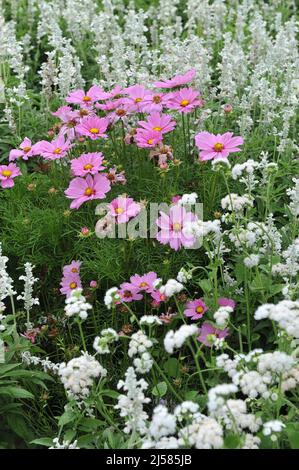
213, 146
172, 226
7, 175
58, 148
158, 123
147, 139
87, 99
120, 113
156, 103
225, 302
128, 292
144, 282
123, 209
93, 127
25, 151
82, 190
138, 98
71, 269
195, 309
87, 163
115, 177
70, 283
208, 334
184, 100
177, 80
69, 120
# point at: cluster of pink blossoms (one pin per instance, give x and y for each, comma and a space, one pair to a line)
71, 278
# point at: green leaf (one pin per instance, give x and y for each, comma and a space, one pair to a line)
160, 389
206, 285
171, 367
232, 441
293, 435
109, 393
16, 392
67, 417
43, 441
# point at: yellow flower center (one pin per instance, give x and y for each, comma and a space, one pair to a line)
6, 173
73, 285
89, 166
184, 103
150, 141
137, 100
177, 227
143, 284
26, 149
199, 309
157, 128
218, 147
119, 210
86, 98
94, 130
88, 191
120, 112
57, 151
74, 270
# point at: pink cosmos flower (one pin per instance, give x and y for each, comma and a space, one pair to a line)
69, 119
158, 123
144, 282
70, 283
177, 80
87, 163
158, 297
208, 333
71, 269
147, 139
115, 177
94, 94
156, 103
224, 302
82, 190
176, 199
172, 226
138, 98
25, 151
7, 175
195, 309
128, 292
217, 146
184, 100
93, 127
58, 148
123, 209
120, 113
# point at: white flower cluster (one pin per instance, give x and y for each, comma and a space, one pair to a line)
175, 339
139, 346
199, 228
235, 203
184, 275
290, 268
76, 305
131, 403
271, 427
6, 283
251, 261
111, 297
150, 320
171, 288
293, 193
46, 364
244, 172
64, 444
203, 433
101, 343
222, 315
285, 313
78, 375
188, 199
27, 294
